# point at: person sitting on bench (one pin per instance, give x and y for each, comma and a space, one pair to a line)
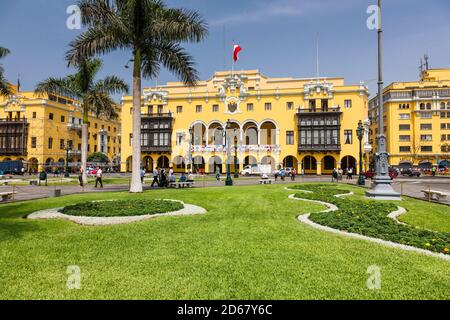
183, 178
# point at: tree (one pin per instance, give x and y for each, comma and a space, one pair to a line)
153, 33
94, 96
98, 157
5, 87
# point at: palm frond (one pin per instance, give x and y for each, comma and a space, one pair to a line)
179, 25
58, 86
4, 52
177, 60
101, 104
5, 87
111, 85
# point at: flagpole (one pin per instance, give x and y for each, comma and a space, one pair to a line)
232, 62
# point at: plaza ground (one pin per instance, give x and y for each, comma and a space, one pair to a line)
248, 246
120, 182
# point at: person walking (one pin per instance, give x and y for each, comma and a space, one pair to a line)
334, 175
98, 179
293, 174
218, 174
80, 177
142, 175
155, 177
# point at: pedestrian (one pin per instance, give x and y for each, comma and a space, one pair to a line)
80, 177
334, 175
99, 176
162, 179
142, 175
283, 174
293, 174
433, 171
340, 174
218, 174
155, 177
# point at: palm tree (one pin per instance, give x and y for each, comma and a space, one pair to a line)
94, 96
153, 33
5, 88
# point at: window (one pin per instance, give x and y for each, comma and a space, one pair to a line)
267, 106
428, 106
422, 106
405, 148
443, 137
426, 149
426, 115
249, 107
312, 104
215, 108
179, 109
63, 119
324, 104
348, 136
50, 116
130, 140
34, 115
443, 126
160, 109
289, 105
50, 143
109, 128
198, 109
95, 148
404, 116
426, 137
33, 142
180, 137
70, 144
404, 127
405, 138
150, 109
62, 144
347, 103
289, 137
426, 126
96, 125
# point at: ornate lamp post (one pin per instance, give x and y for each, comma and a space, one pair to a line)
360, 133
68, 149
381, 187
228, 180
191, 138
236, 171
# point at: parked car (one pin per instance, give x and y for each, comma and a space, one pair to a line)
92, 172
256, 169
371, 174
411, 173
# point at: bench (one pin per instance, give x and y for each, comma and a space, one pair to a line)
435, 195
7, 195
181, 184
265, 181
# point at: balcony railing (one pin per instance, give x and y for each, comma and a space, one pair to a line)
319, 110
156, 148
157, 115
319, 147
240, 148
74, 126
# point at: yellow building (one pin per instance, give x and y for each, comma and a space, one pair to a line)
41, 130
308, 124
417, 120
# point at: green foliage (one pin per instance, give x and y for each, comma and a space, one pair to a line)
98, 157
370, 218
5, 88
121, 208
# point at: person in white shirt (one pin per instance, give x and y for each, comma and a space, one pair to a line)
98, 179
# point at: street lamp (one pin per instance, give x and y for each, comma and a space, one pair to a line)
381, 188
228, 180
68, 149
191, 138
360, 133
236, 171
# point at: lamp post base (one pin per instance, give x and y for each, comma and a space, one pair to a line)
382, 190
228, 180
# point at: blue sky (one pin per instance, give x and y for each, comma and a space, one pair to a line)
278, 38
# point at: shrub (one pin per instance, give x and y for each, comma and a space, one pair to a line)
121, 208
370, 218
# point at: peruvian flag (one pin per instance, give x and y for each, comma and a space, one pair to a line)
237, 49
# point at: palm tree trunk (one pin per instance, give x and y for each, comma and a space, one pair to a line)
136, 184
84, 144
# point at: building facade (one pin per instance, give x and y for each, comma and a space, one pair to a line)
45, 131
307, 124
417, 120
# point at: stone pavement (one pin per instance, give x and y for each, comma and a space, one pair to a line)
411, 187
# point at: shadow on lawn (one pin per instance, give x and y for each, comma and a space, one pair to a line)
11, 229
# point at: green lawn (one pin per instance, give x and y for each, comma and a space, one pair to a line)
248, 246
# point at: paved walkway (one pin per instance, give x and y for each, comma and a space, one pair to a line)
411, 187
